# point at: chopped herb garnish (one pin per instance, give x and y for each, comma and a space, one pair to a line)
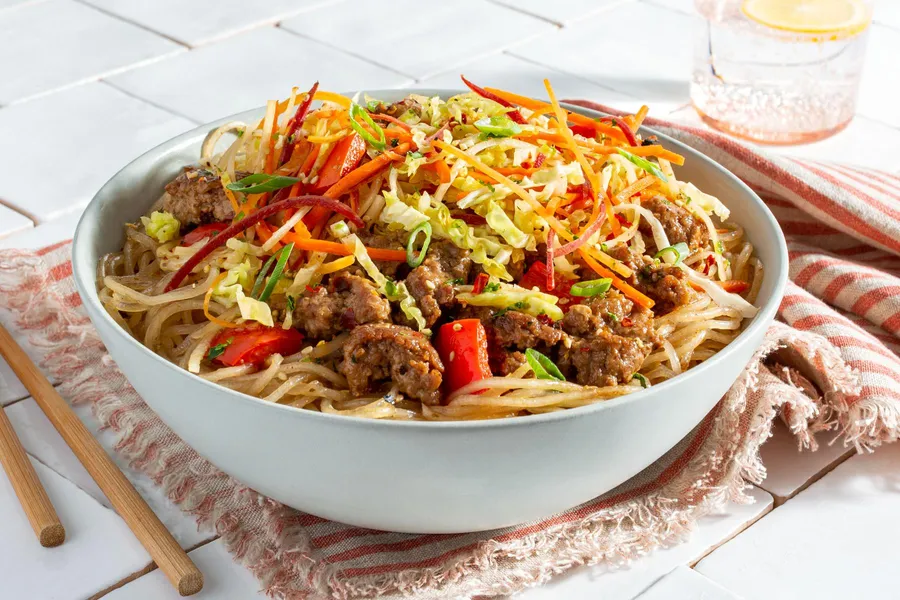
457, 281
291, 304
239, 216
604, 247
612, 317
394, 142
492, 287
218, 349
641, 379
490, 187
720, 247
373, 105
414, 155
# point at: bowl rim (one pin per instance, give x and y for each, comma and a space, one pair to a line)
85, 282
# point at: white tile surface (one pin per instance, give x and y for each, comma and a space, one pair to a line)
864, 142
878, 88
199, 21
527, 78
12, 222
228, 77
684, 583
99, 549
590, 583
42, 235
85, 44
561, 11
435, 35
89, 132
223, 579
656, 71
835, 540
789, 469
887, 13
685, 6
11, 389
41, 440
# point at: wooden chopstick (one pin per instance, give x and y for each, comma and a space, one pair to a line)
144, 524
32, 495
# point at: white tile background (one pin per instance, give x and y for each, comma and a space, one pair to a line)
87, 85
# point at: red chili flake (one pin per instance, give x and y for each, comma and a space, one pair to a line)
481, 280
544, 319
610, 236
585, 348
627, 322
313, 290
710, 261
539, 160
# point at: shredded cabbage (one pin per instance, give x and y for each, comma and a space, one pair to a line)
710, 204
236, 280
513, 297
500, 222
400, 292
161, 226
254, 310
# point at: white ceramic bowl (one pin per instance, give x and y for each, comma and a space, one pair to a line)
441, 477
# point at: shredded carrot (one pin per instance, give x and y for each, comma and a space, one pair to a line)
532, 104
617, 283
316, 245
639, 117
308, 163
391, 119
336, 265
225, 180
326, 139
610, 215
442, 170
537, 206
641, 184
589, 173
264, 232
516, 170
365, 172
598, 148
735, 286
206, 299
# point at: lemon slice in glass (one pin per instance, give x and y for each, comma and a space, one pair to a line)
840, 18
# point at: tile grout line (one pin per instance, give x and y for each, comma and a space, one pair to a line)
343, 51
692, 564
145, 571
850, 453
130, 94
130, 22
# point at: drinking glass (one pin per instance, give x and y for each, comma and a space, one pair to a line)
779, 71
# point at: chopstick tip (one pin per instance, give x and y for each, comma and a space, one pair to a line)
52, 535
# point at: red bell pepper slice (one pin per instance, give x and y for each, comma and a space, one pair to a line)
202, 232
463, 348
536, 276
253, 344
344, 157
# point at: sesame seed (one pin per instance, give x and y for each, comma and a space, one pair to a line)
452, 355
457, 327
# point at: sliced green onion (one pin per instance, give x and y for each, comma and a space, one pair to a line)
277, 272
291, 303
594, 287
413, 259
260, 183
340, 229
499, 126
491, 287
373, 105
680, 250
641, 379
261, 278
378, 143
542, 366
644, 164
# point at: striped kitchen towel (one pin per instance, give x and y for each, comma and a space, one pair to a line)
831, 363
